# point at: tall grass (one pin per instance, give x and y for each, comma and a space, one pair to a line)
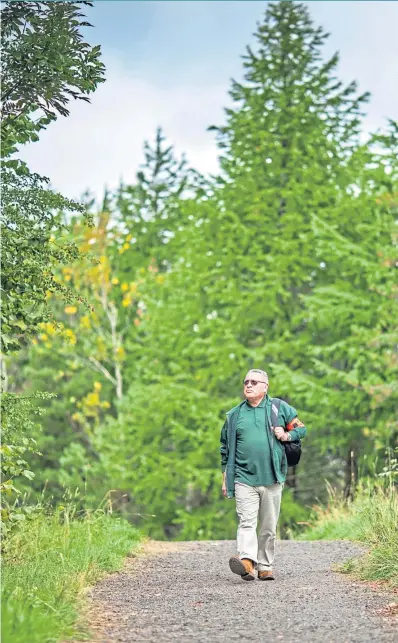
371, 518
47, 565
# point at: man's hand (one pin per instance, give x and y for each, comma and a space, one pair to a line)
224, 484
281, 434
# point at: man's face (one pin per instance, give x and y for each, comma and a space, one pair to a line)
254, 386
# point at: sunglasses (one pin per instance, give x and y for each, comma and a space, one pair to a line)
253, 382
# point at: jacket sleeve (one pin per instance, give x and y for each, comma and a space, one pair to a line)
296, 427
224, 447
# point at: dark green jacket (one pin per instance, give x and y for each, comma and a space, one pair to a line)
228, 443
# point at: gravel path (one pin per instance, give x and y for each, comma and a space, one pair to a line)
186, 592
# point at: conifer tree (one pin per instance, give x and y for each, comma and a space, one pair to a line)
352, 315
150, 207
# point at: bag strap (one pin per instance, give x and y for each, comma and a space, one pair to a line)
275, 405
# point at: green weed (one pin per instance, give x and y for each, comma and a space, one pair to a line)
371, 518
47, 565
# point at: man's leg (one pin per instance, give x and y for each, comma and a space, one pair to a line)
247, 505
270, 502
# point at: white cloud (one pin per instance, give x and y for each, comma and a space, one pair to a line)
101, 142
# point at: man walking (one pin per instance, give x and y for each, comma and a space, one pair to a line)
254, 467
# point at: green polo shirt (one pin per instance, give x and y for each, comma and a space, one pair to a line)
253, 460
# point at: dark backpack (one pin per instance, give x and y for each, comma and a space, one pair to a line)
292, 449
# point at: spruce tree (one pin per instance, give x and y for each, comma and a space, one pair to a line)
150, 207
353, 314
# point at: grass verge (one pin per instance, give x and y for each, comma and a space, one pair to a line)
48, 564
371, 518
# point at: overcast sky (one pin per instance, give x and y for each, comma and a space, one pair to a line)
170, 64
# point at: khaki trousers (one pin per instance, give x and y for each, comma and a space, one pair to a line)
257, 504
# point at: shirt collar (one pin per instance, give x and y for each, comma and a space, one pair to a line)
261, 405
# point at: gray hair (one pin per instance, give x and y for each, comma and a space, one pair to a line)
258, 370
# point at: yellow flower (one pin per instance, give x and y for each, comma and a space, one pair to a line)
106, 405
120, 353
126, 301
43, 336
129, 237
70, 310
68, 277
97, 386
115, 281
85, 322
124, 287
160, 279
126, 246
50, 328
76, 417
71, 336
92, 399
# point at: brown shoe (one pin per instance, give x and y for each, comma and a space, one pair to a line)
265, 574
244, 567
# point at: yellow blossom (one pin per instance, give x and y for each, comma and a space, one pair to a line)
71, 336
124, 287
129, 237
70, 310
126, 246
85, 322
50, 328
92, 399
97, 386
43, 336
115, 281
106, 405
160, 279
126, 301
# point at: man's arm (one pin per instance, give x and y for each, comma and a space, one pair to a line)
296, 429
224, 447
224, 456
293, 429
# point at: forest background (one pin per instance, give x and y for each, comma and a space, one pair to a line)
128, 329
